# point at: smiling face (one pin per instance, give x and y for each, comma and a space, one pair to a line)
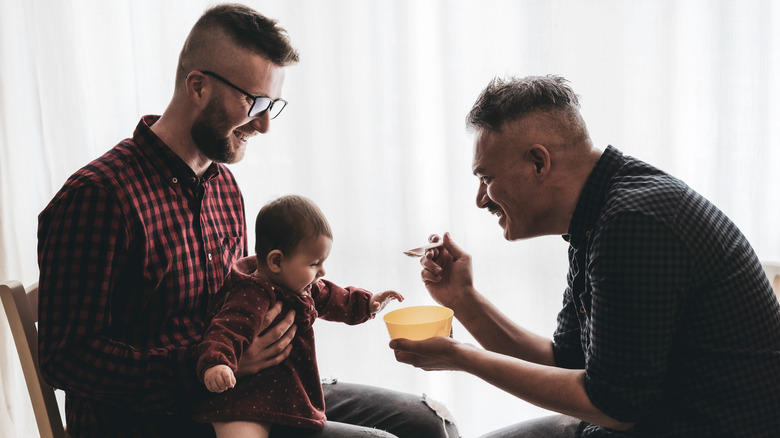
223, 127
305, 265
510, 183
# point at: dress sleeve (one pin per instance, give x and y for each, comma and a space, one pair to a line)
348, 305
83, 254
233, 327
639, 272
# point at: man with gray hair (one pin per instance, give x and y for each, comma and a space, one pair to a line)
669, 326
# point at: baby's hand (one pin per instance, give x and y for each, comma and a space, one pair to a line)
379, 301
219, 378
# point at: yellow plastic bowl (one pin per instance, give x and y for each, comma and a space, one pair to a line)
419, 322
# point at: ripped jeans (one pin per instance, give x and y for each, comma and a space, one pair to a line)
366, 411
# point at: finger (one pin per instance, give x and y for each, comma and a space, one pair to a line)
280, 329
429, 277
279, 350
391, 295
404, 357
271, 315
214, 387
401, 344
451, 247
279, 358
428, 261
223, 381
409, 358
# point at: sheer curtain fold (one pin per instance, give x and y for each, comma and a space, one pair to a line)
374, 133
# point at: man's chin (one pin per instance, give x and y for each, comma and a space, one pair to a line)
502, 222
512, 235
235, 156
507, 235
224, 153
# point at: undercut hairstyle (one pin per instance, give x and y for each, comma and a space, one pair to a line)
507, 100
247, 28
284, 222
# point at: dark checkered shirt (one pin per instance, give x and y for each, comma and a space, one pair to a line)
130, 250
668, 310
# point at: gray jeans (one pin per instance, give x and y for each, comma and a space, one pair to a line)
554, 426
365, 411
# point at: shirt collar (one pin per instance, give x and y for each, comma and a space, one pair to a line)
162, 157
593, 195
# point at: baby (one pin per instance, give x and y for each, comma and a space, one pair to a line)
293, 241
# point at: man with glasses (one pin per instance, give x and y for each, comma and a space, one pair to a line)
135, 243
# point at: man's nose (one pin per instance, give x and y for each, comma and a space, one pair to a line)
482, 197
261, 124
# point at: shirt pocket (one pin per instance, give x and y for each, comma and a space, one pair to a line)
232, 249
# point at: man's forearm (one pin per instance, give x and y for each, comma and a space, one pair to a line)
497, 333
556, 389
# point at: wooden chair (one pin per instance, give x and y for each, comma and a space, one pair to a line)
772, 270
21, 307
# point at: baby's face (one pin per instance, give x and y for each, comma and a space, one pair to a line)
305, 265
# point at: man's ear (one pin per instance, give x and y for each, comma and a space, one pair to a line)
274, 261
196, 87
540, 159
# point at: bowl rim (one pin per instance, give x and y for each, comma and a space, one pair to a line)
449, 314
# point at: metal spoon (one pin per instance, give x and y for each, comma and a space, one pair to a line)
419, 252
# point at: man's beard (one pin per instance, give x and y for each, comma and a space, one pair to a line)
212, 135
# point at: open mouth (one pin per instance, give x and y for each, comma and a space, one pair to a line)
499, 213
241, 136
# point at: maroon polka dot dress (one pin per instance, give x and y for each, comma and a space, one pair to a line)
289, 393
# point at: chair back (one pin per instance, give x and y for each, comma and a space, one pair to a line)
21, 307
772, 270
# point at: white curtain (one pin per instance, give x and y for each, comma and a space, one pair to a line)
374, 134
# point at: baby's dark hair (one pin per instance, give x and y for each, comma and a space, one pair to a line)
284, 222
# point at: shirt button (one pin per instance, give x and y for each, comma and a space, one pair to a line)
587, 234
582, 309
175, 180
209, 255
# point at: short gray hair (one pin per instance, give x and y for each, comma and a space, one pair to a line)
506, 100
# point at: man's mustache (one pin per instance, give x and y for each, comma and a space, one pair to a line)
492, 207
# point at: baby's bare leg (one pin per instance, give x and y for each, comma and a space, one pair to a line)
242, 429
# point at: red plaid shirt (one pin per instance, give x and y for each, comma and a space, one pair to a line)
130, 250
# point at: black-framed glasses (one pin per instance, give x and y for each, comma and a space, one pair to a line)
260, 104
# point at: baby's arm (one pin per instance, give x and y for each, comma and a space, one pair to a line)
219, 378
380, 300
351, 305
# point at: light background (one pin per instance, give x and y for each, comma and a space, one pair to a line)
374, 133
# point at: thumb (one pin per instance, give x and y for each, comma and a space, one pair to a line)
451, 247
401, 344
